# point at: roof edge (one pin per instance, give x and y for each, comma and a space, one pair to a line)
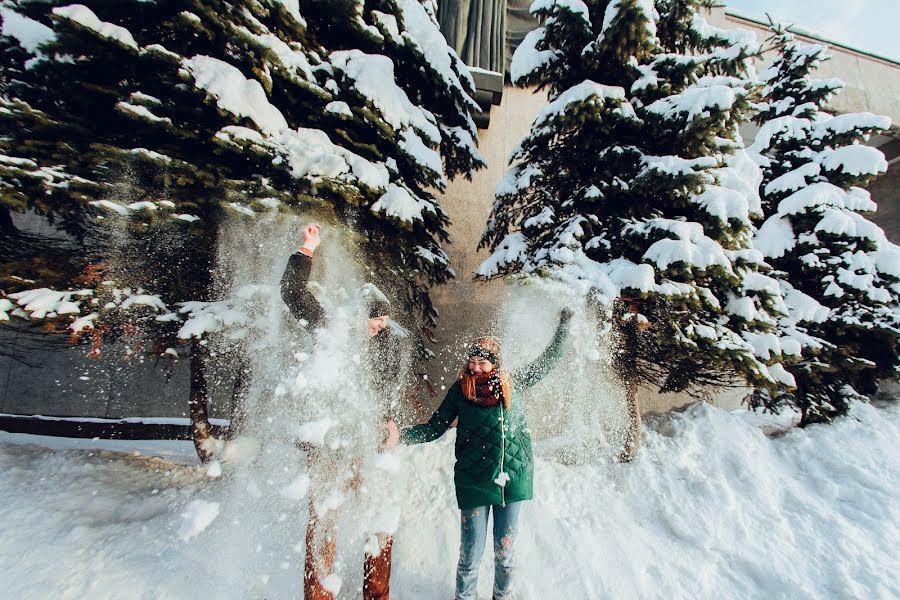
756, 21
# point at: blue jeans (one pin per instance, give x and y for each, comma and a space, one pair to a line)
474, 531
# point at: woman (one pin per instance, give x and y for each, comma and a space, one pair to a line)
494, 463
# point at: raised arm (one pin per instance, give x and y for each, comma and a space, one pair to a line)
530, 374
300, 301
438, 423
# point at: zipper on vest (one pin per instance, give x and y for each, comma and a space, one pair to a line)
502, 456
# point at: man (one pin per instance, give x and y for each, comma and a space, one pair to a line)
384, 361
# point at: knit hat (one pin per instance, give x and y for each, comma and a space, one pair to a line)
487, 348
377, 304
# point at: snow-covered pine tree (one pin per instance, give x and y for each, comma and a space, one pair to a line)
633, 184
169, 115
841, 276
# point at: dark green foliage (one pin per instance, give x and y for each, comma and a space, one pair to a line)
814, 167
90, 116
631, 183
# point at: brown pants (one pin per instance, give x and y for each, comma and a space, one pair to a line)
320, 548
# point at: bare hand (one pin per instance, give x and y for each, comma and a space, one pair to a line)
311, 238
393, 436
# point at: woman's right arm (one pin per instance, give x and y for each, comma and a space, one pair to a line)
529, 375
302, 304
438, 423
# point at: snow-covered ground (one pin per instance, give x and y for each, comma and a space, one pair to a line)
712, 508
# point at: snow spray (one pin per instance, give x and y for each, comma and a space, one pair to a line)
117, 369
305, 393
578, 412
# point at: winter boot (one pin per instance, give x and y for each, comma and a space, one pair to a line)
319, 561
377, 571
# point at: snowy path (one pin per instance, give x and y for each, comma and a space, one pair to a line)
711, 509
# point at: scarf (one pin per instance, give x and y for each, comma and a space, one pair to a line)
488, 389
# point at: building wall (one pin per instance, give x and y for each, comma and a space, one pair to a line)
467, 308
53, 378
871, 83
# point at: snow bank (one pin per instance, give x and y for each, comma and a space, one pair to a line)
199, 515
711, 508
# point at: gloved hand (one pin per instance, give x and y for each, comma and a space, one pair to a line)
565, 315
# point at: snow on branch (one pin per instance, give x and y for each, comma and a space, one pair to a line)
614, 9
843, 124
82, 306
854, 160
527, 59
30, 34
294, 61
373, 76
738, 39
690, 247
46, 303
141, 112
309, 153
513, 250
423, 33
574, 7
234, 93
84, 16
231, 316
594, 100
695, 103
399, 203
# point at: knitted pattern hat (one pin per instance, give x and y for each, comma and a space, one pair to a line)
486, 347
481, 351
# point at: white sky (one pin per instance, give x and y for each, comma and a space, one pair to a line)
870, 25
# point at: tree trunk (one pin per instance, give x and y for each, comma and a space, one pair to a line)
630, 338
633, 434
199, 401
196, 278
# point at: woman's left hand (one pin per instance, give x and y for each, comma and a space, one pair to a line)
393, 436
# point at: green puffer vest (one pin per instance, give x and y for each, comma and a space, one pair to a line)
491, 440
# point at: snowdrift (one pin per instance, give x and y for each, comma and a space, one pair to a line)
711, 508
